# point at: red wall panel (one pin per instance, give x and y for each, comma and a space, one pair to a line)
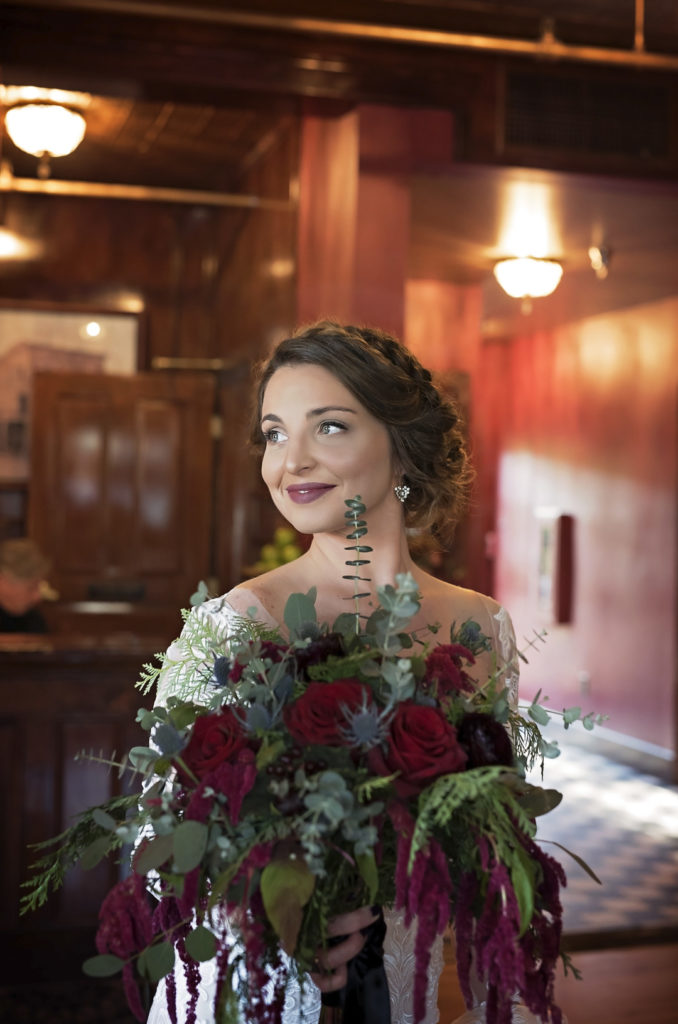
589, 431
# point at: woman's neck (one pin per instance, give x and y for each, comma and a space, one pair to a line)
328, 555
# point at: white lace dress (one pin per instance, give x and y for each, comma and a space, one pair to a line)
399, 942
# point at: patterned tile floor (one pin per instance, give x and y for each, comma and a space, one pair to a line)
624, 824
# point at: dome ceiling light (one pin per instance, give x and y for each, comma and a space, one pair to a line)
43, 122
528, 277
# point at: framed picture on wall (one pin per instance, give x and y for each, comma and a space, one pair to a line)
60, 339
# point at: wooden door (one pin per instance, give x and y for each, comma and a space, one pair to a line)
121, 484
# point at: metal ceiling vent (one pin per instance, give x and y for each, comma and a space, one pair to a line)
577, 112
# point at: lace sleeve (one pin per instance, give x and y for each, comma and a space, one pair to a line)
206, 628
507, 653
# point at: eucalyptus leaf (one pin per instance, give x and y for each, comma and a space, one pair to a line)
201, 943
104, 819
200, 595
183, 716
539, 714
286, 887
154, 855
571, 715
299, 610
143, 757
96, 851
344, 624
537, 801
103, 966
159, 960
190, 842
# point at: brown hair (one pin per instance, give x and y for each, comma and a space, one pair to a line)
424, 426
22, 559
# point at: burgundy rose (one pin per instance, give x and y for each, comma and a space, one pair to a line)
318, 715
215, 738
422, 745
445, 673
485, 740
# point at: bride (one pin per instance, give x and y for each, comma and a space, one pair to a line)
345, 411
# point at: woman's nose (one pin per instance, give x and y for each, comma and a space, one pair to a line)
298, 455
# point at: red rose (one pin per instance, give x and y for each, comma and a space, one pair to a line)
422, 746
215, 738
318, 715
444, 671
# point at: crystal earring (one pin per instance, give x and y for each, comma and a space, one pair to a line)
401, 491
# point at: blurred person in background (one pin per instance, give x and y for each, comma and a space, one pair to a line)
22, 571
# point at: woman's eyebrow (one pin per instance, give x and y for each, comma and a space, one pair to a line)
312, 412
328, 408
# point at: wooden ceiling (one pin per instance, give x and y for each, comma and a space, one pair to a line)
190, 95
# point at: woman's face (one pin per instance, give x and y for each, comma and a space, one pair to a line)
322, 447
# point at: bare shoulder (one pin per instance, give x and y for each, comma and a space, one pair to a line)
448, 605
271, 589
444, 593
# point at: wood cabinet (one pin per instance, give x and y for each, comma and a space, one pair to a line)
121, 484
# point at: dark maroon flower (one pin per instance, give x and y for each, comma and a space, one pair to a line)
485, 740
318, 651
125, 929
318, 716
445, 673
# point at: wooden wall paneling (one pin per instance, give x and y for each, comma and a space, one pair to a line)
11, 809
56, 703
84, 784
237, 484
39, 791
327, 215
254, 288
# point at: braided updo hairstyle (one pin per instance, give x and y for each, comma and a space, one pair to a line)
385, 377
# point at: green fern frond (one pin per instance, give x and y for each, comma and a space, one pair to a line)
51, 869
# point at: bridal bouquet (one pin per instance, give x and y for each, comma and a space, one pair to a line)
290, 778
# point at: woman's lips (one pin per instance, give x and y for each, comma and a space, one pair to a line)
302, 494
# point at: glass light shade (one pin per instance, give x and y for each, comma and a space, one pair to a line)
528, 277
45, 128
13, 246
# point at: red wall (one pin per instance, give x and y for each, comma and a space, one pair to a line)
590, 430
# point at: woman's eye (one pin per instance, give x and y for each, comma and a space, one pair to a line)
273, 436
331, 427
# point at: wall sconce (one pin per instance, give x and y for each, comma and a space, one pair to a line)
527, 277
45, 130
